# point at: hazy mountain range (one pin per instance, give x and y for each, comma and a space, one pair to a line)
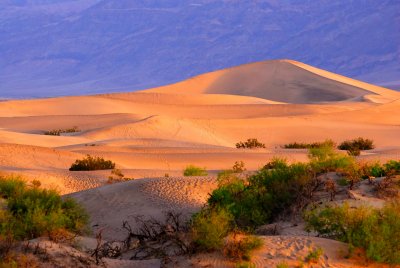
68, 47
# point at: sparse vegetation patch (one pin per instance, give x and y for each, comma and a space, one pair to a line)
58, 132
298, 145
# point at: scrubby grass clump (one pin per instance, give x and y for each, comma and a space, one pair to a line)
31, 212
297, 145
250, 144
377, 231
192, 170
92, 163
58, 132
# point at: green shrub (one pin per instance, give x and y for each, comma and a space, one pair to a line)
210, 227
192, 170
263, 196
358, 144
226, 177
58, 132
276, 162
33, 212
250, 144
371, 169
12, 186
377, 231
326, 159
393, 166
92, 163
296, 145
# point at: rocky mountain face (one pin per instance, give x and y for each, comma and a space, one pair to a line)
69, 47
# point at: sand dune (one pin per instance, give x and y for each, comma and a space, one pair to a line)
279, 80
160, 131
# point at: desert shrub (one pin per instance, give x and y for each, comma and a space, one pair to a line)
238, 167
297, 145
209, 228
58, 132
276, 162
250, 144
11, 186
371, 170
263, 196
32, 212
326, 159
226, 177
393, 166
314, 255
357, 145
377, 231
354, 151
239, 246
91, 163
192, 170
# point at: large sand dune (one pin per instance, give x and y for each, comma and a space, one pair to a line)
278, 80
160, 131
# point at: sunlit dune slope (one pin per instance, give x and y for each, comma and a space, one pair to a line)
278, 80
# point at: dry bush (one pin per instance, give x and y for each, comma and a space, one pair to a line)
238, 167
250, 144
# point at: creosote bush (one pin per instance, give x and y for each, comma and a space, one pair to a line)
32, 212
192, 170
250, 144
377, 231
91, 163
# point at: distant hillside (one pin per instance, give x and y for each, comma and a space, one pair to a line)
68, 47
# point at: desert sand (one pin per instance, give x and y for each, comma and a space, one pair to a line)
159, 131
